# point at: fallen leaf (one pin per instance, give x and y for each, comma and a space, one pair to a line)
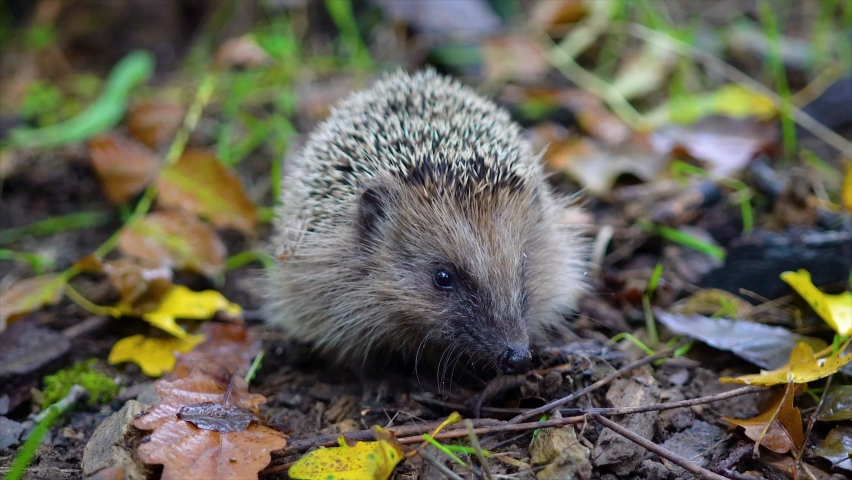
241, 52
713, 302
181, 302
124, 167
230, 345
188, 452
785, 431
561, 454
140, 286
726, 145
763, 345
30, 294
176, 240
836, 310
596, 167
846, 189
555, 14
803, 367
837, 404
154, 356
595, 118
730, 100
836, 447
513, 57
373, 460
201, 184
154, 122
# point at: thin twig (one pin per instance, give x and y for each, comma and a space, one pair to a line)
812, 418
665, 453
367, 435
583, 391
474, 442
604, 411
579, 393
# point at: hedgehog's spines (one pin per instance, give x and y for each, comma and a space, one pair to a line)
458, 185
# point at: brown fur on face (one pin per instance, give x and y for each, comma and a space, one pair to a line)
415, 175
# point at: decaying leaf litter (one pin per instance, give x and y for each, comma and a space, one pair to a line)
138, 186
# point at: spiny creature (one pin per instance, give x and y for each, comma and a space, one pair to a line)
417, 221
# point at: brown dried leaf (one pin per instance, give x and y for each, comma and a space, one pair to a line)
231, 346
176, 240
555, 14
785, 432
597, 168
30, 294
188, 452
140, 284
200, 184
241, 52
124, 166
154, 123
513, 58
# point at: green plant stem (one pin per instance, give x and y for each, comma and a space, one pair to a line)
193, 114
37, 262
56, 224
788, 126
104, 113
45, 420
255, 366
344, 19
249, 256
566, 65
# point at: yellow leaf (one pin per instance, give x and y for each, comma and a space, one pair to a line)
154, 355
803, 367
181, 302
737, 101
846, 190
365, 460
30, 294
836, 310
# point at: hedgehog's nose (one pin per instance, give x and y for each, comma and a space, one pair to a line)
516, 359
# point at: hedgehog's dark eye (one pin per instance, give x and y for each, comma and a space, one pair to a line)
443, 279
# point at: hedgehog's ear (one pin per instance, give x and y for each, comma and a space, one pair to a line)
372, 208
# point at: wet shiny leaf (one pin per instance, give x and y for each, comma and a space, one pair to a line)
837, 404
836, 447
218, 417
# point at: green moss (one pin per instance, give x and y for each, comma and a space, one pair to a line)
100, 387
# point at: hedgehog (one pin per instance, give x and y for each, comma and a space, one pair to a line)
417, 222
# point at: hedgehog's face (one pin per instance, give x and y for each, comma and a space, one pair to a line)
453, 273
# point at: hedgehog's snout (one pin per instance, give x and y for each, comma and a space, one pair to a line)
515, 359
